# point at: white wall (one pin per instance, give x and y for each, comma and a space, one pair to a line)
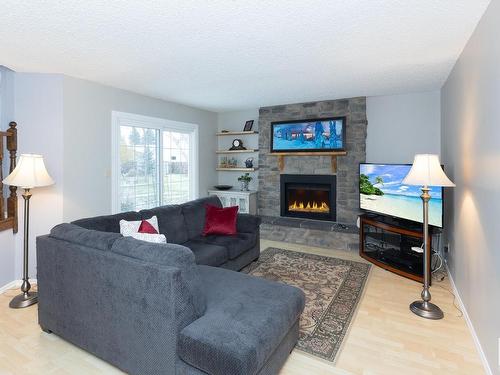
39, 114
235, 121
471, 149
87, 141
400, 126
7, 244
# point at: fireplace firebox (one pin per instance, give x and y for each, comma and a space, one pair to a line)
308, 196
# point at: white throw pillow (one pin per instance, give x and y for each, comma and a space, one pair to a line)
127, 228
148, 237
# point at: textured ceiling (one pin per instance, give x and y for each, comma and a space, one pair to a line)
226, 55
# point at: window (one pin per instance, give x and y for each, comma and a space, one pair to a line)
154, 162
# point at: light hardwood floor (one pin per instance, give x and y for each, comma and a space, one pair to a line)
385, 337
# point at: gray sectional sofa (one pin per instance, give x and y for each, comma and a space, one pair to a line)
166, 308
183, 225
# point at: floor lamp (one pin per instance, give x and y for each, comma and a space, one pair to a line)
426, 171
30, 172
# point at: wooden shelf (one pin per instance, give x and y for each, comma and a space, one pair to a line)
238, 169
236, 151
333, 154
237, 133
233, 190
246, 151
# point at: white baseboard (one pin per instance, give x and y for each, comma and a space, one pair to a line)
14, 284
479, 348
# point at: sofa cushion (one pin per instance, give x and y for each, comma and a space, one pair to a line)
220, 220
246, 319
194, 214
236, 244
208, 254
170, 222
85, 237
167, 255
127, 228
108, 223
146, 227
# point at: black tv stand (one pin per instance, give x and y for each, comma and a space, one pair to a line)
387, 242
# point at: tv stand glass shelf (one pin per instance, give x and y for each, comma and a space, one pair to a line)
388, 243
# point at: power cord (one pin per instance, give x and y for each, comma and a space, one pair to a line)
435, 258
454, 300
438, 275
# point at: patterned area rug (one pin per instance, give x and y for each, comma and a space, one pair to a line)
333, 288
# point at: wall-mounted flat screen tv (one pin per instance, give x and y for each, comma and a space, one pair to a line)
317, 135
381, 191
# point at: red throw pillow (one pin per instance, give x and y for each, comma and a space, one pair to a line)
146, 227
220, 220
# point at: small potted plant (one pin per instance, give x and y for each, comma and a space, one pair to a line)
244, 181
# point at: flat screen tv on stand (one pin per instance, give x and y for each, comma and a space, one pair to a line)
381, 191
391, 233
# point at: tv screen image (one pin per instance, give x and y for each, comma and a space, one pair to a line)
381, 190
308, 135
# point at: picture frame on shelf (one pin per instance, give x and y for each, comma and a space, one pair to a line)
226, 162
248, 126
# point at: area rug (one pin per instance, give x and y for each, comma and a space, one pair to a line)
333, 288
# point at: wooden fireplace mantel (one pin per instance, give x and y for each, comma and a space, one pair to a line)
333, 154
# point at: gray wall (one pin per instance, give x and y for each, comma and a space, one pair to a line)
39, 113
35, 102
6, 97
7, 246
68, 121
87, 141
470, 142
400, 126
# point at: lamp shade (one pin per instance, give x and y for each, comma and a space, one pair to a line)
30, 172
426, 171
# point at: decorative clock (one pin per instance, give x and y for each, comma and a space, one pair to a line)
237, 145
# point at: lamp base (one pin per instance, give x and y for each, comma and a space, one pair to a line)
24, 300
426, 310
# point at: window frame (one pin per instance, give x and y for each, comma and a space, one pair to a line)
130, 119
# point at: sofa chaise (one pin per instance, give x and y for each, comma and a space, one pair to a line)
166, 308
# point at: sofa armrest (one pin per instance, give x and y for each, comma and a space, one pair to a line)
248, 223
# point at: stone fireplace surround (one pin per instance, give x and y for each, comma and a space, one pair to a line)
343, 233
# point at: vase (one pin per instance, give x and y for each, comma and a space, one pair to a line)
244, 185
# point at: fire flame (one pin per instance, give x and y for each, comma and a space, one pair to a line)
314, 207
